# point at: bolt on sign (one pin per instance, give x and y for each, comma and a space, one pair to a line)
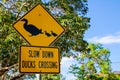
38, 27
34, 59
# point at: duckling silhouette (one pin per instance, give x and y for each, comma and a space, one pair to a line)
33, 30
47, 34
53, 33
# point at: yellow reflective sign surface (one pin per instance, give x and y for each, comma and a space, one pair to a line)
39, 59
38, 27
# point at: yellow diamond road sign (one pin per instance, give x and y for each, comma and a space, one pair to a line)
34, 59
38, 27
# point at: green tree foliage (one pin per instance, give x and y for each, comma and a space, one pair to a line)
93, 62
51, 77
69, 13
72, 17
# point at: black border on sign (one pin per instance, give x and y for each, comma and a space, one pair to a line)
39, 72
48, 14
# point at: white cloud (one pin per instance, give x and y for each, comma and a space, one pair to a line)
110, 39
71, 77
65, 65
67, 61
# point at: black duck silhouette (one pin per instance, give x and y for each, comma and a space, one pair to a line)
33, 30
53, 33
47, 34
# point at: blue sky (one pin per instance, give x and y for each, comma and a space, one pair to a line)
105, 29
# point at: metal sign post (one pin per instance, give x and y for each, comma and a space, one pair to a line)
40, 77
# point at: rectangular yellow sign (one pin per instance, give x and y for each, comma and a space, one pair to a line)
34, 59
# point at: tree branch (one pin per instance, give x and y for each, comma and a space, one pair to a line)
17, 77
4, 69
